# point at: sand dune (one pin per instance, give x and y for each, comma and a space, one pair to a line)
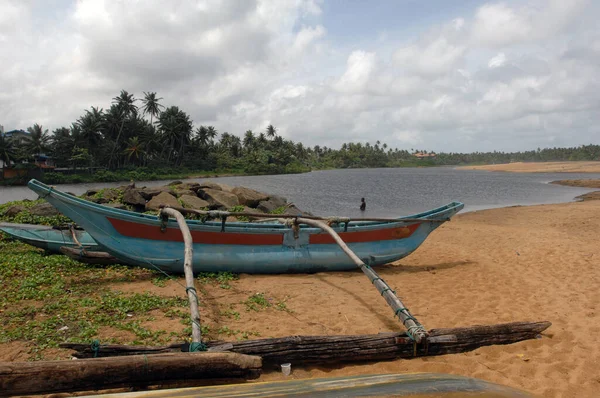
540, 167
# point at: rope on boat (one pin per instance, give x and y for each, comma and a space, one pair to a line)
196, 344
214, 214
415, 330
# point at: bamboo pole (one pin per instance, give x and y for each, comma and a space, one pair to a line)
189, 273
414, 328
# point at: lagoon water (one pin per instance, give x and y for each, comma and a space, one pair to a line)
388, 192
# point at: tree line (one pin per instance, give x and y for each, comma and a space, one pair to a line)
142, 133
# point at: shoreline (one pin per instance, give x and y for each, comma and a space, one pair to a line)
539, 167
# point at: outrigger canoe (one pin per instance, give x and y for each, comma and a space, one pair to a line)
145, 240
49, 238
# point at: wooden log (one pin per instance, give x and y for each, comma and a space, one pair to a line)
89, 257
311, 349
20, 378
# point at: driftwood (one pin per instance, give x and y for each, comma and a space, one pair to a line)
312, 349
89, 257
21, 378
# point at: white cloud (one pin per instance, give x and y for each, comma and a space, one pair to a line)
497, 61
509, 77
498, 24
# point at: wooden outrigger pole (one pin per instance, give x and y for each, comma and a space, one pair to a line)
415, 330
189, 276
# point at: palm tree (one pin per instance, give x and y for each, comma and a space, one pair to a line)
89, 131
175, 127
249, 140
125, 103
211, 133
271, 131
38, 142
7, 151
62, 145
262, 140
135, 149
151, 105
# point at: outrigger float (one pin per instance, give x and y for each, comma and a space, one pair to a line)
153, 365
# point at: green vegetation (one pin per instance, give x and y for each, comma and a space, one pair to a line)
140, 139
25, 217
46, 300
222, 279
256, 302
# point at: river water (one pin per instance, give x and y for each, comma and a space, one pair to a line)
388, 192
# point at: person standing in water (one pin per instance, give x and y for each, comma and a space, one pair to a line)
363, 204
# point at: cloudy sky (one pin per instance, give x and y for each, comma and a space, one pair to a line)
430, 74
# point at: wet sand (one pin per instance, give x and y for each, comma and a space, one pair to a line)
540, 167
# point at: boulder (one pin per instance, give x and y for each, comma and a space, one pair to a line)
100, 201
181, 192
273, 203
90, 192
44, 210
120, 206
215, 185
210, 185
266, 206
171, 184
278, 201
219, 199
192, 186
111, 194
14, 210
132, 196
149, 193
294, 211
162, 198
193, 202
249, 197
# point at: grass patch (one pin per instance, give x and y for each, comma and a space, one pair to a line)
49, 299
25, 217
256, 302
223, 279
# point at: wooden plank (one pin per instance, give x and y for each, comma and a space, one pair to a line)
22, 378
313, 349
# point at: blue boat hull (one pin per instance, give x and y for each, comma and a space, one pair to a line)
48, 238
137, 239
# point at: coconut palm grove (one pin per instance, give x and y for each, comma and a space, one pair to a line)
142, 138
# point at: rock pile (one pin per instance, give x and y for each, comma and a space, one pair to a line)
192, 195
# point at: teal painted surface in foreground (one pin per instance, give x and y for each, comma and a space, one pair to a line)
295, 255
48, 238
417, 385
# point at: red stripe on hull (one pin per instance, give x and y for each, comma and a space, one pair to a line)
366, 236
143, 231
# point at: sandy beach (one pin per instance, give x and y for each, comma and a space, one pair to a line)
524, 263
540, 167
